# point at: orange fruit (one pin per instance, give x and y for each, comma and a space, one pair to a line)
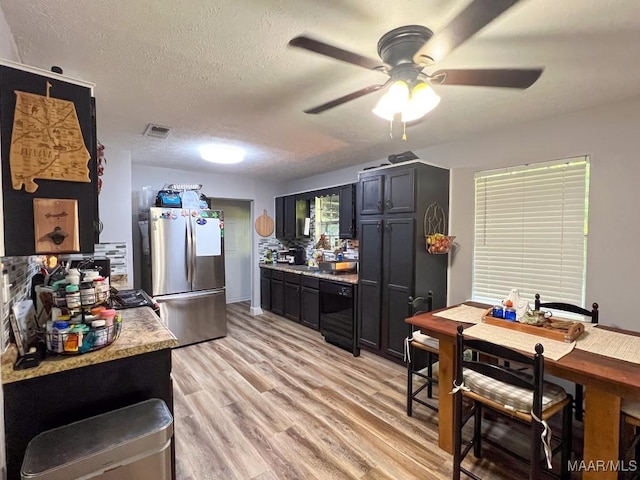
508, 304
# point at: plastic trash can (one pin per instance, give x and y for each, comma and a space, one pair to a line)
133, 442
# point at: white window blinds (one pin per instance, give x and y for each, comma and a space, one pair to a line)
531, 232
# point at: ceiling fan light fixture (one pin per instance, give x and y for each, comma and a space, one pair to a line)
423, 100
394, 101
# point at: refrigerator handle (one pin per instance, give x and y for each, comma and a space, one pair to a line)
193, 248
189, 253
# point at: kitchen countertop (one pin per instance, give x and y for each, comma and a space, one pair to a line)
313, 272
142, 332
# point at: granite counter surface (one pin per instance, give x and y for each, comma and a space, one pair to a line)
313, 272
142, 332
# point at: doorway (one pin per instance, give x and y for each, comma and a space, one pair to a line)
237, 247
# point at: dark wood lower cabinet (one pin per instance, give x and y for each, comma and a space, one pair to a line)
292, 301
265, 293
310, 307
277, 296
265, 288
38, 404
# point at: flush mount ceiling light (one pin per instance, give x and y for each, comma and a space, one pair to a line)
221, 154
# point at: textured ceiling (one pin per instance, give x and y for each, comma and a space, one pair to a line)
221, 70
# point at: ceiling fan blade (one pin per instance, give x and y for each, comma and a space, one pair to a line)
346, 98
472, 19
337, 53
515, 78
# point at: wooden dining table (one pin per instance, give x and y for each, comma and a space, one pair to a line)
607, 381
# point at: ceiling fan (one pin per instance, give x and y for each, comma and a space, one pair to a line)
407, 50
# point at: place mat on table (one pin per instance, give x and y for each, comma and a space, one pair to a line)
463, 313
553, 349
610, 344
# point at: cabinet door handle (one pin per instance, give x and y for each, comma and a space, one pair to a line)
379, 225
379, 204
388, 204
387, 227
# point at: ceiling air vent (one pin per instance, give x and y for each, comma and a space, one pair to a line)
157, 131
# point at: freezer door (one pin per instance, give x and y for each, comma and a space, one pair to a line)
208, 250
170, 245
195, 317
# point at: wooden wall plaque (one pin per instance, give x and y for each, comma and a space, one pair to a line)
46, 142
56, 225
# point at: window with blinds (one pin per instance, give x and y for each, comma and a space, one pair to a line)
531, 232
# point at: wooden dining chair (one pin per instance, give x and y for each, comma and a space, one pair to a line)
593, 314
631, 427
515, 394
420, 364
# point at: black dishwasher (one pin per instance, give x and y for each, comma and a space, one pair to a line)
337, 319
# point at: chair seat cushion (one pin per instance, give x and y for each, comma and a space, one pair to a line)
434, 370
511, 396
425, 340
631, 409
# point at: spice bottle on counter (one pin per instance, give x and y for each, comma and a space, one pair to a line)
72, 296
99, 332
87, 294
101, 286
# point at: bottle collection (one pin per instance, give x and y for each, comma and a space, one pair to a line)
80, 319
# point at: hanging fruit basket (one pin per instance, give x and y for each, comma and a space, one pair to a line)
435, 223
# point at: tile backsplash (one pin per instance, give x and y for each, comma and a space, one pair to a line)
116, 253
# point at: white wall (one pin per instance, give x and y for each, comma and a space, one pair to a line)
610, 136
330, 179
114, 202
260, 192
8, 48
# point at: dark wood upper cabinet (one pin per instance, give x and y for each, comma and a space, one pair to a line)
291, 211
371, 194
289, 216
347, 228
19, 230
400, 191
391, 191
279, 217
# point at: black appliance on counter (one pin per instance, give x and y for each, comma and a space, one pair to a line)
299, 255
134, 298
337, 315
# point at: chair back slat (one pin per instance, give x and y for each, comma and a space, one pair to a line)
498, 351
568, 307
500, 373
420, 305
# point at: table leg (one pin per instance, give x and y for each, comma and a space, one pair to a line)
601, 434
446, 372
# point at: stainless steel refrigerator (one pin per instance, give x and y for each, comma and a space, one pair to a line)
186, 272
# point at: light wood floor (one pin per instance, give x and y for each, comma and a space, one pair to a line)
272, 400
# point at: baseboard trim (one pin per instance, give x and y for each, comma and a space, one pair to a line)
253, 311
